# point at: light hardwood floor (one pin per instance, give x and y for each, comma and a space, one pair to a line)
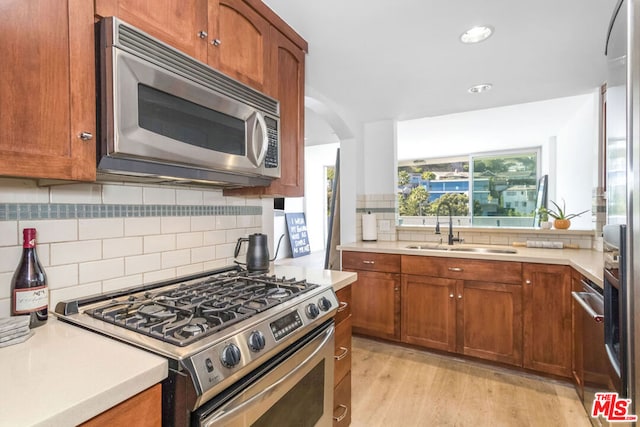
399, 386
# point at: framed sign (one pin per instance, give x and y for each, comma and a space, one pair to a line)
297, 228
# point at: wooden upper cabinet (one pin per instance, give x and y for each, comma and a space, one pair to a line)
181, 24
239, 41
47, 89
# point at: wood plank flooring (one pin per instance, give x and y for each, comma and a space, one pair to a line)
399, 386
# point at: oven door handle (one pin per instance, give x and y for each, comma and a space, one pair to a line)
580, 298
229, 412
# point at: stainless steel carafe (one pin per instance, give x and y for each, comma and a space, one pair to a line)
257, 252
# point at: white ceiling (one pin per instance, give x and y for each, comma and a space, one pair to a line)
403, 59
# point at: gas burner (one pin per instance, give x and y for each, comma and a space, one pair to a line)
279, 293
195, 327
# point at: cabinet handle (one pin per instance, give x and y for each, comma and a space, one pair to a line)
528, 282
459, 296
85, 136
366, 261
456, 269
342, 306
345, 351
202, 34
344, 413
216, 42
451, 295
396, 289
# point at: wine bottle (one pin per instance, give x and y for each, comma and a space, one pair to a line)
29, 291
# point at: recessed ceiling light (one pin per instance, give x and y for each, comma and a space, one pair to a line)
476, 34
480, 88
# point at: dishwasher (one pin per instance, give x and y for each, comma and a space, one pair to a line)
591, 364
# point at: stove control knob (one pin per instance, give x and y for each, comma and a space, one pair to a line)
324, 304
256, 341
230, 356
312, 311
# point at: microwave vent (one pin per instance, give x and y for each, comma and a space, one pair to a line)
142, 45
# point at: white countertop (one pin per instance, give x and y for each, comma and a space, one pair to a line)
64, 375
587, 262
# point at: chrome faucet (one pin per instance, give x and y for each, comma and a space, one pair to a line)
451, 238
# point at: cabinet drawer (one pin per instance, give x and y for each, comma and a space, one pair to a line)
342, 402
388, 263
464, 269
342, 350
344, 301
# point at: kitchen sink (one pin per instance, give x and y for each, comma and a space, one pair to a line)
477, 249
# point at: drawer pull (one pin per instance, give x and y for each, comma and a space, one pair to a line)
456, 269
451, 295
366, 261
344, 353
342, 306
345, 411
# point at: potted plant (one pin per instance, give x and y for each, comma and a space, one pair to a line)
545, 224
562, 220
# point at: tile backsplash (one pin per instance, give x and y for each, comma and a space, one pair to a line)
95, 238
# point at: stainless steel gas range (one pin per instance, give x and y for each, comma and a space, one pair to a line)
243, 348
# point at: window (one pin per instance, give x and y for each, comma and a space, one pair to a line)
495, 189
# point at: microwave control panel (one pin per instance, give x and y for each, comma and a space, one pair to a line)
272, 158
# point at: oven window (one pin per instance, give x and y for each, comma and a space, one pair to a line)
185, 121
301, 406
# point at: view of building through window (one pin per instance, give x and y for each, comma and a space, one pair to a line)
497, 189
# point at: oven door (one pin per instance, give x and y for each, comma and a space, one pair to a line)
294, 388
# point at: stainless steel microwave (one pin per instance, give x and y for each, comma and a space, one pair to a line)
168, 117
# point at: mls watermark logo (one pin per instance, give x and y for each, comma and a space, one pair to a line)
612, 408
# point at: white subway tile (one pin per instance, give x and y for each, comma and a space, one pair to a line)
189, 197
121, 194
156, 276
236, 201
189, 240
5, 307
77, 193
175, 224
159, 243
62, 276
121, 283
101, 270
225, 222
214, 237
203, 223
5, 284
218, 263
74, 252
244, 221
73, 292
123, 247
141, 226
22, 191
225, 251
9, 233
213, 198
52, 230
189, 269
175, 258
141, 264
234, 234
158, 196
100, 228
203, 254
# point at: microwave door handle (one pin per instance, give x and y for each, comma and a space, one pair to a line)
258, 140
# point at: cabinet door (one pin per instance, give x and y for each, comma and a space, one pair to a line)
239, 44
429, 312
376, 305
47, 89
547, 318
490, 321
342, 350
181, 24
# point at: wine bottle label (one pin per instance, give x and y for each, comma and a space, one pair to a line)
30, 300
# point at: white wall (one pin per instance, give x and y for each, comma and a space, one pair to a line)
379, 165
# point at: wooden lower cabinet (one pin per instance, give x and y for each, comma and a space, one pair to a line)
475, 318
142, 410
547, 318
342, 367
